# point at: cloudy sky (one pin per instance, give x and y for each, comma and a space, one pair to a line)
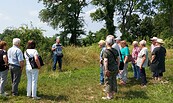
15, 13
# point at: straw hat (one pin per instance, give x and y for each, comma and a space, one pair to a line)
160, 41
154, 38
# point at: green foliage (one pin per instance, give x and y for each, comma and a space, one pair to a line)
95, 37
105, 11
169, 42
43, 44
64, 14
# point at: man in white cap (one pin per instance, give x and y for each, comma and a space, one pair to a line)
154, 39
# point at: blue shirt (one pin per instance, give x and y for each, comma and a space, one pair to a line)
15, 55
58, 48
101, 53
124, 52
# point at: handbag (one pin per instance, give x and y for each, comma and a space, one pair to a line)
32, 61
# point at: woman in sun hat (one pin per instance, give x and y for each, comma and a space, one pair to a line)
158, 60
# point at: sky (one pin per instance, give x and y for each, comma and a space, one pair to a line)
15, 13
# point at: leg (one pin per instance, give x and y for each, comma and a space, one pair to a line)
29, 85
101, 74
54, 61
16, 80
138, 72
125, 73
34, 82
59, 63
143, 76
3, 80
134, 70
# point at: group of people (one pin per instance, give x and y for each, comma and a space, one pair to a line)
13, 60
115, 56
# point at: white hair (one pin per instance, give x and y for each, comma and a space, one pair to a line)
16, 41
135, 43
110, 40
142, 42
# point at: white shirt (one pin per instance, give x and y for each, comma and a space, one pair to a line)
144, 51
32, 53
116, 46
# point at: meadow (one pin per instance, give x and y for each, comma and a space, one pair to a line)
79, 82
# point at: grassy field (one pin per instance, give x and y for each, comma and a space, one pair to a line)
79, 83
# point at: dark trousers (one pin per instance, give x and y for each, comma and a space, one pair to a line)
55, 60
143, 76
15, 76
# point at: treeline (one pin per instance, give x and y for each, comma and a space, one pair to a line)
43, 44
137, 19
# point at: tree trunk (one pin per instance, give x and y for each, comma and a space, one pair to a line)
171, 22
110, 18
73, 39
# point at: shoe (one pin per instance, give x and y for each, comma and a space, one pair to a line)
13, 94
36, 98
104, 90
122, 82
101, 83
143, 86
106, 98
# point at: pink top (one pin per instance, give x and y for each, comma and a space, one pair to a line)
135, 53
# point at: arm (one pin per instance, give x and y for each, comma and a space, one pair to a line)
21, 64
152, 58
125, 59
107, 73
5, 59
143, 60
118, 61
53, 48
37, 61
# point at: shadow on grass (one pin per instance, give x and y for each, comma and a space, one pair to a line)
136, 94
55, 98
133, 95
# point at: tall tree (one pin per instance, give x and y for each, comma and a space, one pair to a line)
105, 11
64, 14
166, 7
125, 8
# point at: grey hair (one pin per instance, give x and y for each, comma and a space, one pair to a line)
16, 41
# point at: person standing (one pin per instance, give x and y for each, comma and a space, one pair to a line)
153, 45
16, 64
32, 73
111, 64
124, 56
158, 60
135, 52
57, 55
142, 62
101, 44
3, 67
